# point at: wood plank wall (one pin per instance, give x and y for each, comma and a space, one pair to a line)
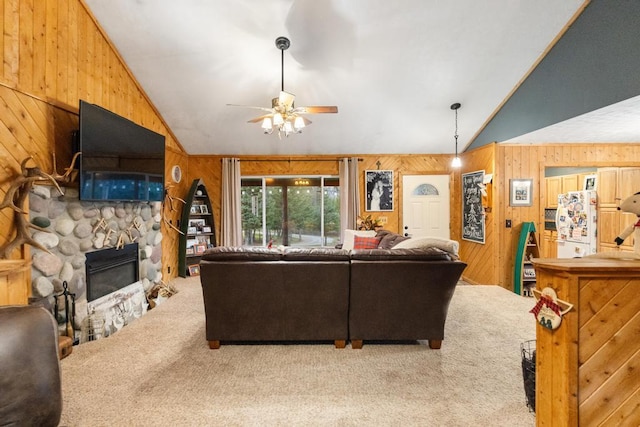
529, 161
209, 169
482, 259
54, 54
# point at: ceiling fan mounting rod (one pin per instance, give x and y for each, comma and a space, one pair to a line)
283, 44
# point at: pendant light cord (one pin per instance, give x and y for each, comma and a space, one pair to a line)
456, 134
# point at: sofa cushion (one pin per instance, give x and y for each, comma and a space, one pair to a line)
450, 246
416, 254
360, 242
389, 239
315, 254
237, 253
347, 243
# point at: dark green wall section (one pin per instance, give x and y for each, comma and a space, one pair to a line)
596, 63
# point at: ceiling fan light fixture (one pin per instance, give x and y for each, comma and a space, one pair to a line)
266, 125
283, 115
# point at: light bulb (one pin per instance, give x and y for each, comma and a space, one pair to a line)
277, 119
266, 125
456, 162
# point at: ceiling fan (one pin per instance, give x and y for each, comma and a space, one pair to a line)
283, 114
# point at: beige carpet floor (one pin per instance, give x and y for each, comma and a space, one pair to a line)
159, 371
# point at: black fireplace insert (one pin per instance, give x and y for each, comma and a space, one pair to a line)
109, 270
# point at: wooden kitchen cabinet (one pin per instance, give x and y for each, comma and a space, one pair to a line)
615, 185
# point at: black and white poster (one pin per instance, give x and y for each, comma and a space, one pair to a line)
472, 211
379, 184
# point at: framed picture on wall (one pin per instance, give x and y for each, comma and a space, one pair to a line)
379, 187
520, 192
590, 182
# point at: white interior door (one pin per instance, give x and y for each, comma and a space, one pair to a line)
425, 205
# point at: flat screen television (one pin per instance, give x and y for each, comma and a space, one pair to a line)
120, 160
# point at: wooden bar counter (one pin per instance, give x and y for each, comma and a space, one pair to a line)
588, 370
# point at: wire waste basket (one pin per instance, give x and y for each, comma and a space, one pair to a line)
528, 350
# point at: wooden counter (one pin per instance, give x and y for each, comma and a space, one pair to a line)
588, 370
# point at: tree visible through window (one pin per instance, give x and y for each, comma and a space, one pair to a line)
291, 211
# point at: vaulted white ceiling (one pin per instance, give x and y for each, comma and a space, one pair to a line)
392, 68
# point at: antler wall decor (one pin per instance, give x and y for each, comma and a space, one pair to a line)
169, 202
15, 197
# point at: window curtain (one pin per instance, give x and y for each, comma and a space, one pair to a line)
231, 223
349, 194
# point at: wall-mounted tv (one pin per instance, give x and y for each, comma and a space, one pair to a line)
120, 160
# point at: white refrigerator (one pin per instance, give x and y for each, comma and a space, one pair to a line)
576, 224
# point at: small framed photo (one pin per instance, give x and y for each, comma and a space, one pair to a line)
197, 223
204, 209
192, 230
195, 209
520, 192
379, 187
590, 182
190, 251
200, 248
194, 270
206, 229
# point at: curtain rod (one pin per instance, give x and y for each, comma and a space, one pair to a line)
324, 159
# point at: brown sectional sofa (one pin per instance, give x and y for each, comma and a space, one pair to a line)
400, 294
260, 294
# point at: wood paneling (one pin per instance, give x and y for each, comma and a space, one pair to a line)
587, 368
482, 259
55, 54
14, 287
209, 169
529, 161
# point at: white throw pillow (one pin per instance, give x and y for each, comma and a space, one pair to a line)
447, 245
347, 242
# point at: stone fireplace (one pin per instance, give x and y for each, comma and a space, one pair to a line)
86, 237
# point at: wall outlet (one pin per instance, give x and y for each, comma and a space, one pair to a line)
508, 223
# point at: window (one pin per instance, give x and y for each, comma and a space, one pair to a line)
289, 211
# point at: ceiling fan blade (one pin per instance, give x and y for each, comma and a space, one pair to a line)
316, 109
286, 99
259, 119
252, 106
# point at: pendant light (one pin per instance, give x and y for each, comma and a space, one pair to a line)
456, 163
